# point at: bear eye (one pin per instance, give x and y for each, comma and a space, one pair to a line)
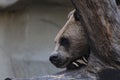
64, 42
76, 16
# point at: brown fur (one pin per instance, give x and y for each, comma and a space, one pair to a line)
78, 47
74, 33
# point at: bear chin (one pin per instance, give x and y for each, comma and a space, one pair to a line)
78, 63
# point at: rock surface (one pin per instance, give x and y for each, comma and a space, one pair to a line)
6, 3
18, 4
27, 31
65, 75
106, 74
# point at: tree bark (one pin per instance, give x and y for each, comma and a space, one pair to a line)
100, 20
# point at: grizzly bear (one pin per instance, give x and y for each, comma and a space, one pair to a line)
72, 51
71, 45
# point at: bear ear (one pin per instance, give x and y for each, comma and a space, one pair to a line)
76, 16
71, 13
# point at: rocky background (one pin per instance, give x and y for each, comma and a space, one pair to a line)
27, 31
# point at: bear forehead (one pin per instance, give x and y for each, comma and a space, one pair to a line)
62, 32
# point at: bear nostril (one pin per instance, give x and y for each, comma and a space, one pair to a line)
54, 59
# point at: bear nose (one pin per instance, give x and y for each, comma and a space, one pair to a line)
54, 59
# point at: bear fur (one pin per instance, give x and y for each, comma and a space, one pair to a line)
72, 47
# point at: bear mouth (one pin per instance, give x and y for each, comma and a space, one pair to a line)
78, 63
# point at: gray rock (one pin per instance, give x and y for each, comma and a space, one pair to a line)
65, 75
6, 3
17, 4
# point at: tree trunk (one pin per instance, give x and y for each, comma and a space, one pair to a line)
100, 20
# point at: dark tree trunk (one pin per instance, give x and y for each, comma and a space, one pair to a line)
101, 22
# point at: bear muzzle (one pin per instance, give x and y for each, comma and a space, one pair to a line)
57, 60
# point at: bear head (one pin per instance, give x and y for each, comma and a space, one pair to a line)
71, 44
